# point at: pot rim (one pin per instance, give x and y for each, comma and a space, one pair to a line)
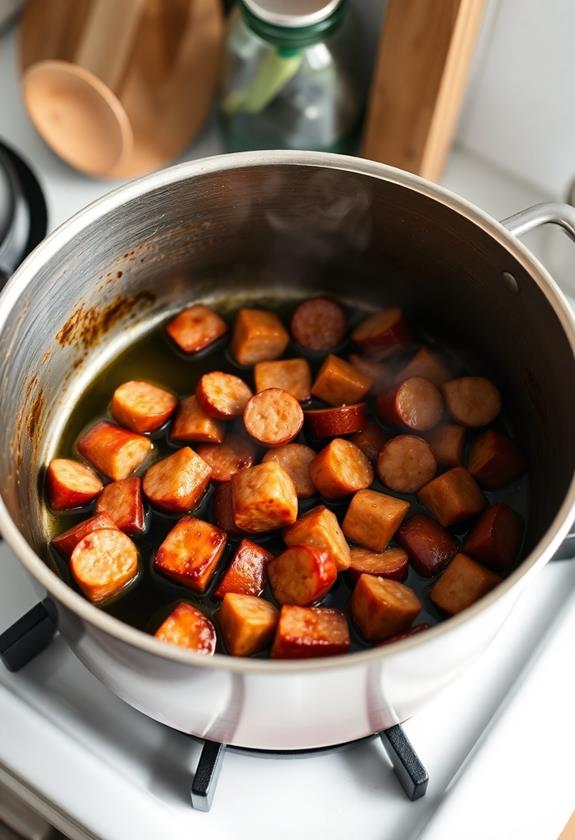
114, 627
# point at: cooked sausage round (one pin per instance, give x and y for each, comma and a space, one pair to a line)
103, 563
370, 440
472, 400
332, 422
188, 627
319, 324
273, 417
406, 463
228, 458
391, 563
301, 575
142, 406
295, 458
222, 395
383, 334
71, 484
415, 404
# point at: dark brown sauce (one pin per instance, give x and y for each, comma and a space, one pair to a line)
154, 357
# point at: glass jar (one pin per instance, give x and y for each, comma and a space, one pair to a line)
292, 80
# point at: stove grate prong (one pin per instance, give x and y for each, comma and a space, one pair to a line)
206, 775
409, 770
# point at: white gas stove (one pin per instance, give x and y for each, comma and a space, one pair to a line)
497, 744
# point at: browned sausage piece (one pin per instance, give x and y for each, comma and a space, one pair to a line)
122, 500
447, 442
494, 460
177, 483
104, 563
246, 574
293, 375
222, 395
472, 400
495, 537
370, 440
383, 334
191, 423
378, 372
429, 546
114, 451
191, 552
264, 498
226, 459
462, 584
302, 575
331, 422
391, 563
295, 459
142, 406
66, 543
307, 632
413, 631
415, 404
196, 328
340, 470
71, 484
382, 608
452, 497
320, 527
406, 463
223, 509
258, 336
339, 383
189, 628
427, 364
372, 519
273, 417
319, 324
248, 623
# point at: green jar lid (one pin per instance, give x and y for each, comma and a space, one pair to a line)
305, 23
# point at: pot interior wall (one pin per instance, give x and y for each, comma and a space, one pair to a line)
280, 229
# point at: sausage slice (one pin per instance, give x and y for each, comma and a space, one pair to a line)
429, 546
415, 404
495, 538
66, 543
494, 460
222, 395
339, 383
381, 608
226, 459
188, 627
264, 498
246, 574
302, 575
177, 483
142, 406
319, 324
306, 632
332, 422
447, 442
472, 400
247, 623
71, 484
114, 451
273, 417
340, 470
391, 563
462, 584
190, 553
258, 336
319, 527
293, 375
370, 440
406, 463
372, 519
223, 509
122, 500
196, 328
452, 497
191, 423
427, 364
383, 334
295, 459
378, 372
104, 563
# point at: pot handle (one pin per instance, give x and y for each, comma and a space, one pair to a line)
554, 213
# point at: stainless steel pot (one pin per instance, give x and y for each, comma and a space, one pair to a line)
279, 223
